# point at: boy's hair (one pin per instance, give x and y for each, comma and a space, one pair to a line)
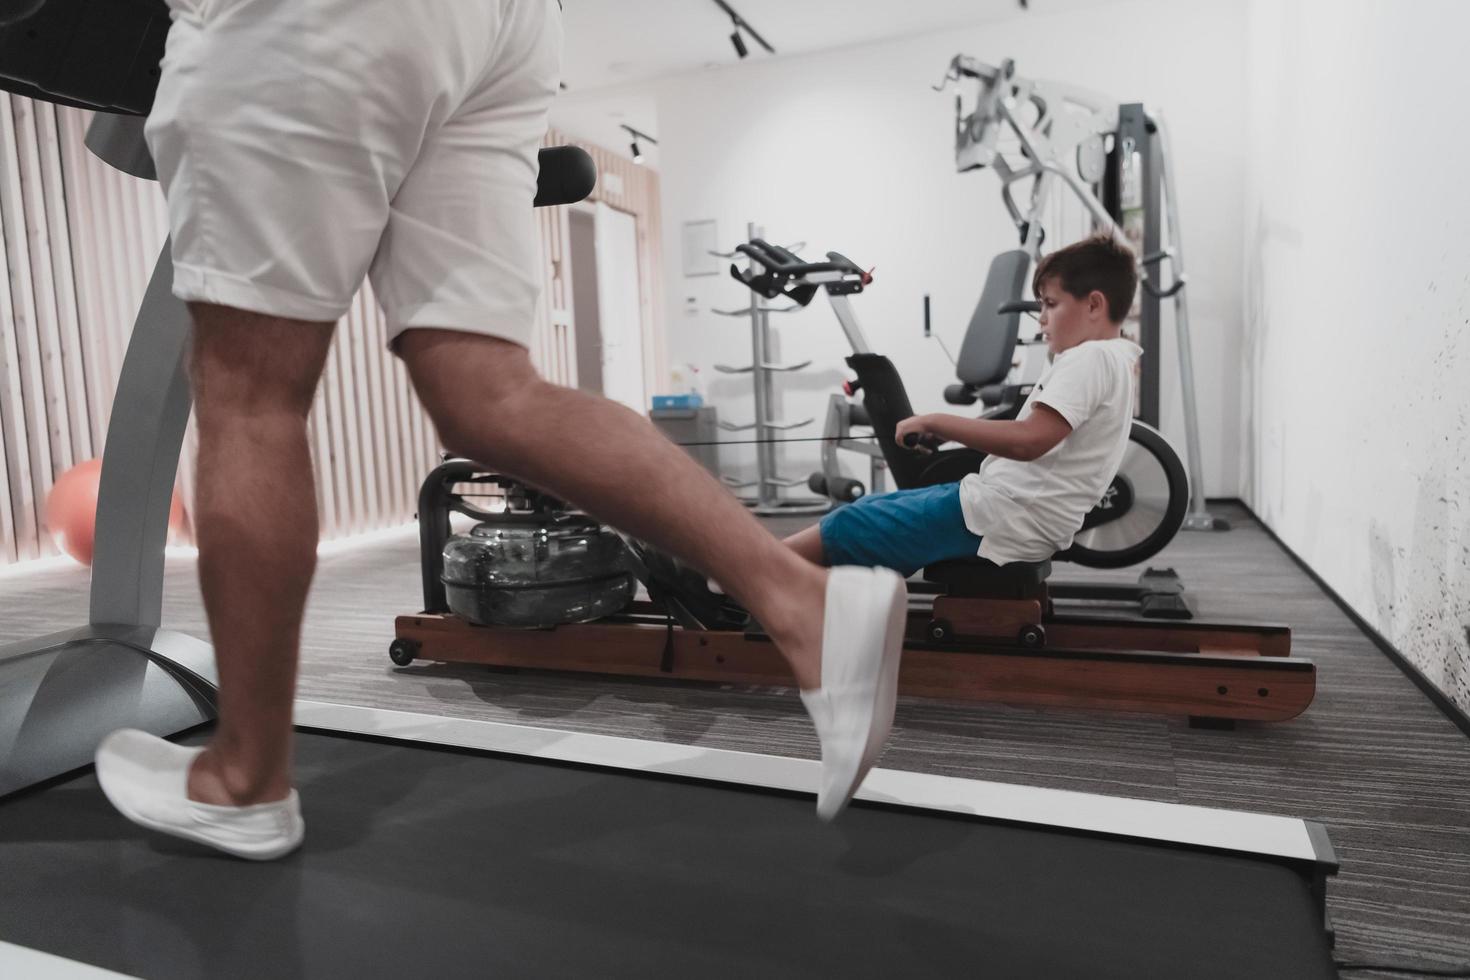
1102, 263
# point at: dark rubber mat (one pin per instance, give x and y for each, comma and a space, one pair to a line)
428, 863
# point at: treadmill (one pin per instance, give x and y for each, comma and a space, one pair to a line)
451, 847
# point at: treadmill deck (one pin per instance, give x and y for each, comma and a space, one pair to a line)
431, 861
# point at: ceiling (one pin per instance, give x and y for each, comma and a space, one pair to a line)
613, 42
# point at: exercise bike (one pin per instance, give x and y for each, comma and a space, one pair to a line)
1142, 509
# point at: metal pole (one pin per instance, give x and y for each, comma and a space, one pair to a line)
1134, 137
145, 432
1199, 517
765, 450
140, 461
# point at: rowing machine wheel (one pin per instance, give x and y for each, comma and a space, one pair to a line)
403, 652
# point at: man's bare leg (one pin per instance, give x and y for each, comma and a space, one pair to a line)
491, 406
255, 518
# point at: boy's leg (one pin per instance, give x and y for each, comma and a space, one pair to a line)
903, 530
808, 544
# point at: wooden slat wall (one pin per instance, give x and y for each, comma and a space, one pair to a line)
79, 241
46, 421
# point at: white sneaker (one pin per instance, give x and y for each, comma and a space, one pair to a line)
147, 779
862, 643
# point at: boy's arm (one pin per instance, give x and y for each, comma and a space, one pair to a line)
1024, 439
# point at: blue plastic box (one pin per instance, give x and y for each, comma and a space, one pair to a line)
690, 400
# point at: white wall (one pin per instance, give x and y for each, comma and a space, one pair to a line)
599, 118
852, 150
1322, 158
1357, 339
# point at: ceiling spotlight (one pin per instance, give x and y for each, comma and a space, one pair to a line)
637, 135
737, 37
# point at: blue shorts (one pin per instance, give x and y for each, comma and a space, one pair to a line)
904, 530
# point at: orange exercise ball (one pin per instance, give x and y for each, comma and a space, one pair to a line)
71, 510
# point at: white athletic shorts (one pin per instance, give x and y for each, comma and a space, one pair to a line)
304, 143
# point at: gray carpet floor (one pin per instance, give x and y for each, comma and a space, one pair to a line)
1373, 758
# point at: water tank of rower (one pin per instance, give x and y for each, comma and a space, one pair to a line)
537, 570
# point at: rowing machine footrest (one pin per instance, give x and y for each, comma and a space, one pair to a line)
985, 579
1164, 607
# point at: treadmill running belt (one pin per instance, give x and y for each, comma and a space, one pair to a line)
446, 863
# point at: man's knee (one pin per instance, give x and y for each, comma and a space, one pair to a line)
251, 362
463, 378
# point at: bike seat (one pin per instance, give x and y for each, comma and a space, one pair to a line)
960, 394
993, 395
979, 576
987, 395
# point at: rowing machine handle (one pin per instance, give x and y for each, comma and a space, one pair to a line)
913, 441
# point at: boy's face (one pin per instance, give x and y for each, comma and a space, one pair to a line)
1067, 321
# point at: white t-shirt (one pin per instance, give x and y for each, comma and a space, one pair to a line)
1028, 511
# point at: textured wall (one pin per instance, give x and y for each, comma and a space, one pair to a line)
1357, 312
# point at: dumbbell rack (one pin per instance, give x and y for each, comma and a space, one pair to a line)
768, 483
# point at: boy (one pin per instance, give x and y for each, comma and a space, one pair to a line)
1045, 470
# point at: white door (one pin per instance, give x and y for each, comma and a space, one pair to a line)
618, 308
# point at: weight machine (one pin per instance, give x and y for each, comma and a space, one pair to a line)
1114, 159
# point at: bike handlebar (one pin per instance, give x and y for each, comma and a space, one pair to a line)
777, 259
782, 272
